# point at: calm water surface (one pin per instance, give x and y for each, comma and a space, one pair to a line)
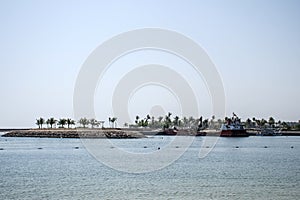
43, 168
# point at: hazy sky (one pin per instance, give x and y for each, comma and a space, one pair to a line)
254, 44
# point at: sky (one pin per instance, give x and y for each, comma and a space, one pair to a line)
253, 44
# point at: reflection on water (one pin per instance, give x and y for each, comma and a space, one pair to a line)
237, 168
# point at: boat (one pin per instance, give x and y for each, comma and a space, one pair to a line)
269, 132
233, 128
169, 131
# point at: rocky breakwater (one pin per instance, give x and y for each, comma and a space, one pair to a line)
75, 133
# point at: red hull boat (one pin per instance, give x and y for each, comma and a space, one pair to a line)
233, 128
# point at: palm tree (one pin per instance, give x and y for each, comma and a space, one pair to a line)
271, 121
70, 122
148, 117
180, 123
176, 121
205, 123
142, 123
84, 122
145, 122
263, 122
191, 121
47, 122
185, 121
51, 121
40, 122
160, 118
254, 122
258, 122
101, 123
109, 121
152, 121
279, 124
62, 122
113, 121
137, 119
167, 122
94, 123
248, 123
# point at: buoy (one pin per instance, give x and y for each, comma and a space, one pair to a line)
76, 147
292, 147
265, 147
1, 149
145, 147
158, 148
40, 148
237, 147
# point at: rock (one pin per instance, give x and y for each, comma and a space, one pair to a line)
75, 133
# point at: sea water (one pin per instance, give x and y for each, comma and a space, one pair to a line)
236, 168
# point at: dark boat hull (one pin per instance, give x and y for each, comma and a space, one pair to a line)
168, 132
234, 133
201, 133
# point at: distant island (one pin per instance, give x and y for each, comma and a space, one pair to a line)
148, 125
